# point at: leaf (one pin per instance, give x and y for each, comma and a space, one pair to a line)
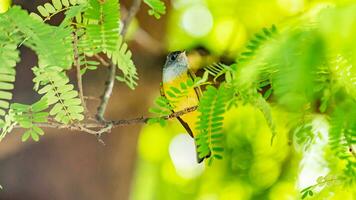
73, 2
49, 8
34, 136
121, 57
65, 3
25, 136
36, 17
9, 56
38, 130
57, 107
42, 11
57, 4
210, 122
305, 194
40, 105
158, 8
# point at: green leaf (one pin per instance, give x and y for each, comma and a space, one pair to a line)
40, 105
49, 8
157, 8
65, 3
19, 107
25, 136
56, 108
34, 136
36, 17
75, 109
38, 130
69, 95
73, 2
42, 11
57, 4
155, 110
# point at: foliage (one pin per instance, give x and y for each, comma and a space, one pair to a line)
157, 8
299, 69
8, 57
122, 58
211, 108
343, 136
103, 24
304, 69
28, 115
88, 28
53, 83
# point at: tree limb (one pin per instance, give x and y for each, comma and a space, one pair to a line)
97, 128
130, 16
79, 75
111, 79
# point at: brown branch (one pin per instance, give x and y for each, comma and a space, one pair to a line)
79, 75
102, 60
109, 85
92, 98
97, 128
143, 38
130, 16
111, 79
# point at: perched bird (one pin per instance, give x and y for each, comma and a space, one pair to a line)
176, 71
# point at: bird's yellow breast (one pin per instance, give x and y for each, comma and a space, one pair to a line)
186, 101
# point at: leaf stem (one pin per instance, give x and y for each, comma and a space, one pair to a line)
79, 75
98, 128
111, 79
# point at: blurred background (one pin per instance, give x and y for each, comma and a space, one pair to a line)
149, 162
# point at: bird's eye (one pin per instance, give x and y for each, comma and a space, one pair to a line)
173, 57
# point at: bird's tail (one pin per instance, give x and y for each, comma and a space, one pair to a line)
190, 132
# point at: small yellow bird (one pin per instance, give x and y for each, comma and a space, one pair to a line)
176, 71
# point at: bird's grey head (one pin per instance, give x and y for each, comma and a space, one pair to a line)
176, 64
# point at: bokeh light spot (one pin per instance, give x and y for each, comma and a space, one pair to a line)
228, 35
153, 142
291, 6
197, 21
183, 155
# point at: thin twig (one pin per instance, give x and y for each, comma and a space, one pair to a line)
102, 60
79, 75
109, 85
130, 16
111, 79
143, 38
92, 98
106, 127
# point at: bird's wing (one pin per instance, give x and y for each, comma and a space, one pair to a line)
184, 124
197, 89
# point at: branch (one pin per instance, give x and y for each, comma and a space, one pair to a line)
109, 85
107, 126
102, 60
143, 38
130, 16
111, 80
79, 75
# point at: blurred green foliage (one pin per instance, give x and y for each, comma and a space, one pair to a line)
307, 69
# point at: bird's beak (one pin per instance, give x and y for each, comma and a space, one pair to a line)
182, 54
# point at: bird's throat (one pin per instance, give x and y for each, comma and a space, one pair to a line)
172, 73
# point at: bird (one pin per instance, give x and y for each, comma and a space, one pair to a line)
176, 71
